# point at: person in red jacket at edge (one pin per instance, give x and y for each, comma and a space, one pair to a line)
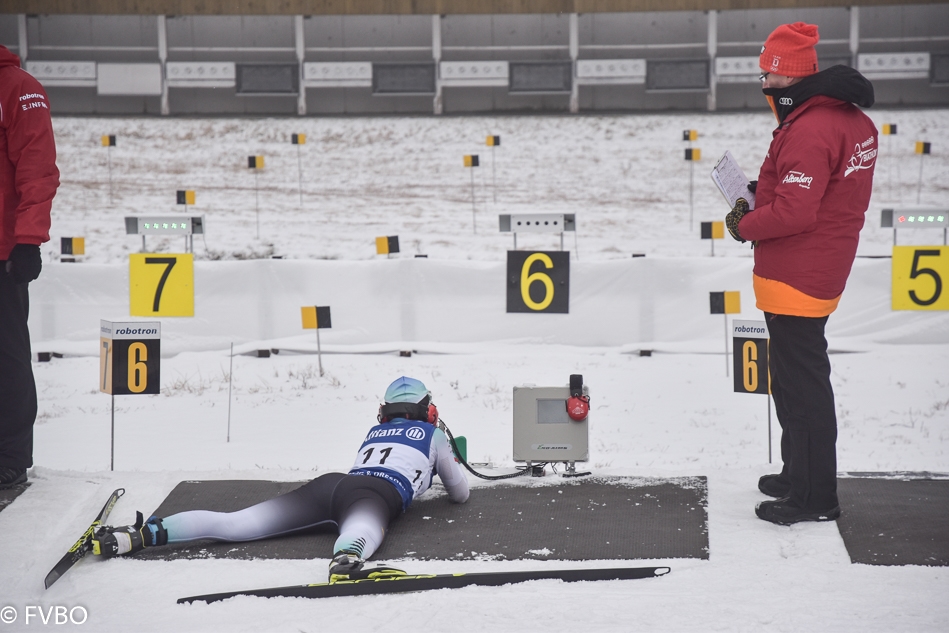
28, 181
810, 199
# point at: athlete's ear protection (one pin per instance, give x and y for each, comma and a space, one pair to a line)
578, 405
423, 412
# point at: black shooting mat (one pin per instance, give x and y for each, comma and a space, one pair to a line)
887, 521
9, 495
617, 518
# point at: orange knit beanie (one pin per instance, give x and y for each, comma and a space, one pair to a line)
789, 50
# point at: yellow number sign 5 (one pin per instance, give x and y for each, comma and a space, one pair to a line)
919, 275
527, 278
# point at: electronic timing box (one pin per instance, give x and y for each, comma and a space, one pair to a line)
543, 431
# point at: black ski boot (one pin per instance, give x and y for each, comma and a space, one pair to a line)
109, 541
348, 566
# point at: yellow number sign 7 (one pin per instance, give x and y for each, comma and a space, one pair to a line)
161, 285
919, 277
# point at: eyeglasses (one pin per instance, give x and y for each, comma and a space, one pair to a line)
763, 77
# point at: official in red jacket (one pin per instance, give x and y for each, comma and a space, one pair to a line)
28, 181
811, 196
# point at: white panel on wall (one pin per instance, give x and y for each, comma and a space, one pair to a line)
75, 74
735, 70
337, 74
201, 74
129, 79
483, 73
611, 71
894, 65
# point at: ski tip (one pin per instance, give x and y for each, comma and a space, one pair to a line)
662, 571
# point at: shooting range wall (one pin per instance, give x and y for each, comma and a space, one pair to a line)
660, 303
620, 55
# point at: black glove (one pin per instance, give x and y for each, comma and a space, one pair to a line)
24, 263
752, 186
734, 217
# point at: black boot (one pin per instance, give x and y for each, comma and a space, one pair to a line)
10, 477
774, 486
784, 512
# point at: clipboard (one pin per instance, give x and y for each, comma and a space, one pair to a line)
731, 181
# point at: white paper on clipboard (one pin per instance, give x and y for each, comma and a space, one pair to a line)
731, 181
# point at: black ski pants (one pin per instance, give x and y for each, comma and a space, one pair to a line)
17, 389
804, 400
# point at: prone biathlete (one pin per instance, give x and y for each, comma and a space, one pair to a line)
394, 465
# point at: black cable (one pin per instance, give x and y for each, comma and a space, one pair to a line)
522, 470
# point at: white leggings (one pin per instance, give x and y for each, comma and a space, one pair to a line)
360, 506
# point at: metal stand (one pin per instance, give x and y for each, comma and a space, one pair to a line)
257, 202
727, 373
109, 154
230, 382
319, 352
919, 185
571, 470
112, 451
474, 226
889, 170
691, 175
494, 180
300, 172
514, 233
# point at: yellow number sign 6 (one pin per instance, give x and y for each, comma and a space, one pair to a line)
749, 366
138, 370
527, 278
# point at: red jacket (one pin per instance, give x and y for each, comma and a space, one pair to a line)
813, 191
28, 173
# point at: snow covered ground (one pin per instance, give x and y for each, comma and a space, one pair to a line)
670, 414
